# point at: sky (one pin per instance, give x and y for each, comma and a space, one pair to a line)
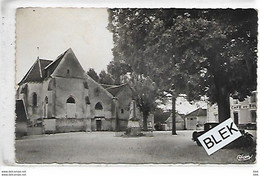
54, 30
183, 106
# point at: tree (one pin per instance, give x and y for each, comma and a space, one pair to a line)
145, 93
117, 69
105, 78
92, 73
196, 52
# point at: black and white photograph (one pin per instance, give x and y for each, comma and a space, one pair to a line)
135, 86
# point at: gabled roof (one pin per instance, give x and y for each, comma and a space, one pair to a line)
178, 117
115, 89
198, 112
35, 72
163, 118
52, 66
100, 85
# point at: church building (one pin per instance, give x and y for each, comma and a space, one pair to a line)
58, 96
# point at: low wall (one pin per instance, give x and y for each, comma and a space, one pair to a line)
49, 126
70, 124
106, 125
34, 130
122, 125
20, 129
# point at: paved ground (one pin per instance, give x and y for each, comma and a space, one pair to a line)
105, 147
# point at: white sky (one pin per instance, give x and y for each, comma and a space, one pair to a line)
183, 106
55, 30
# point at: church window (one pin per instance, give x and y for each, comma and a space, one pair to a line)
87, 100
68, 72
34, 99
96, 91
122, 111
85, 85
24, 89
46, 100
98, 106
70, 100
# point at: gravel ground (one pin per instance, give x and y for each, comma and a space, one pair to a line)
105, 147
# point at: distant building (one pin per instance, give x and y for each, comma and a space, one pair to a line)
242, 113
196, 119
212, 112
59, 96
179, 121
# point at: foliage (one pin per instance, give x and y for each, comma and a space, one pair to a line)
117, 69
145, 95
92, 73
196, 52
145, 91
105, 78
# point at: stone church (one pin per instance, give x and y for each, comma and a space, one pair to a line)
58, 96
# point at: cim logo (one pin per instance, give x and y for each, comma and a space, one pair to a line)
219, 136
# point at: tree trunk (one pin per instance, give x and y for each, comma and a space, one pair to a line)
145, 117
173, 115
223, 105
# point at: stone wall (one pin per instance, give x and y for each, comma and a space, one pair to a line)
70, 125
66, 88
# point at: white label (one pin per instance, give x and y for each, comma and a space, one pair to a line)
219, 136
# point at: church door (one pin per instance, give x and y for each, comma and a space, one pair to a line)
71, 108
99, 124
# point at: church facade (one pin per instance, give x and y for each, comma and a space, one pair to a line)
59, 96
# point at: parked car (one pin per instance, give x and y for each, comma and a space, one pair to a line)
246, 140
196, 134
251, 126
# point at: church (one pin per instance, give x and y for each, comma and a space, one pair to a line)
58, 96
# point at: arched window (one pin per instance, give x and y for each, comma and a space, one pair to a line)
45, 108
96, 91
46, 100
85, 85
70, 100
34, 99
24, 89
87, 100
71, 108
98, 106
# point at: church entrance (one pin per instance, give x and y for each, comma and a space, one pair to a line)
71, 108
98, 125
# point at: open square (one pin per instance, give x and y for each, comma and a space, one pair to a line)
104, 147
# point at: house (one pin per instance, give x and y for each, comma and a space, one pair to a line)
179, 121
196, 119
60, 97
159, 119
243, 113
